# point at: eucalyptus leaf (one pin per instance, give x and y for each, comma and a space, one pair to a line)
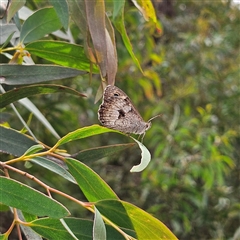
25, 198
40, 23
25, 74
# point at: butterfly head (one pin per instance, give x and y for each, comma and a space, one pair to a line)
148, 125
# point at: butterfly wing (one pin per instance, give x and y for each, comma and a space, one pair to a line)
117, 112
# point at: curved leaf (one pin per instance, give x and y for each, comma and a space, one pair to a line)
146, 157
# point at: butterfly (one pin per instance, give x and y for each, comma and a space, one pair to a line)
117, 112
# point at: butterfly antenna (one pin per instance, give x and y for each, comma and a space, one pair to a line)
159, 115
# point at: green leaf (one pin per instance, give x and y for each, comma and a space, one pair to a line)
62, 53
82, 229
21, 196
118, 22
34, 149
99, 230
93, 154
61, 8
16, 143
23, 74
83, 133
146, 157
26, 91
50, 229
59, 168
14, 6
91, 184
145, 225
40, 23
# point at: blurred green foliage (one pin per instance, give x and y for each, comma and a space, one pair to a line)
192, 183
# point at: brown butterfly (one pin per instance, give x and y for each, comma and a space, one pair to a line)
117, 112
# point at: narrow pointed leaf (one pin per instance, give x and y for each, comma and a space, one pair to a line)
83, 133
99, 230
23, 74
119, 24
21, 196
27, 91
91, 184
55, 167
95, 16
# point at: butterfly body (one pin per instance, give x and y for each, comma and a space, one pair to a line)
117, 112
